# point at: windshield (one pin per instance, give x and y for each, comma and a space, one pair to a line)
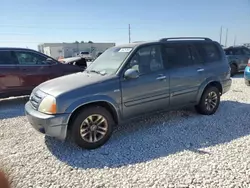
110, 60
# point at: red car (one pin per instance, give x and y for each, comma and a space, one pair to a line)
21, 70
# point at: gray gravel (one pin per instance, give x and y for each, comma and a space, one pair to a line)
175, 149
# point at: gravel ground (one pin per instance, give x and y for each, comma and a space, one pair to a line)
175, 149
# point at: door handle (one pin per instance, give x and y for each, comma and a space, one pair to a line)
161, 78
200, 70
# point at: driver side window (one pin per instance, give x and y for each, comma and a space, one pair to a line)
29, 58
147, 59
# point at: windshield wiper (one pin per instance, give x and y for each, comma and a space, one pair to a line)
98, 72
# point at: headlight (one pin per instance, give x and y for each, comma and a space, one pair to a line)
48, 105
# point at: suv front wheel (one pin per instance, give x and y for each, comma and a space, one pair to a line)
209, 101
92, 127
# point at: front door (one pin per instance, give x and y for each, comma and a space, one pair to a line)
150, 91
186, 75
9, 78
34, 69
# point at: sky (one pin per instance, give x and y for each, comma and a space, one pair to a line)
26, 23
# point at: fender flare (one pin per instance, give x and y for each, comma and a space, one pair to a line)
94, 99
204, 85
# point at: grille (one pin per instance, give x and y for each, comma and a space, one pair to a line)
36, 98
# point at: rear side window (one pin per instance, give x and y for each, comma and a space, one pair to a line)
6, 58
229, 52
209, 52
177, 55
29, 58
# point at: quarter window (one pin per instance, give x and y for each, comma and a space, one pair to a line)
209, 52
29, 58
147, 59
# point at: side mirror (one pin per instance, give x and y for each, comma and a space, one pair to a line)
131, 74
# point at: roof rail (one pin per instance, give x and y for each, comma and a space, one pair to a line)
183, 38
138, 41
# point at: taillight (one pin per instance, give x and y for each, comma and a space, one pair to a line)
248, 63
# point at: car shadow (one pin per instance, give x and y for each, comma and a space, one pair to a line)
12, 107
159, 136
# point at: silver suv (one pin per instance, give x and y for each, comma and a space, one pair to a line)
128, 81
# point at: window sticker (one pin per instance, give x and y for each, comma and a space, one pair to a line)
126, 50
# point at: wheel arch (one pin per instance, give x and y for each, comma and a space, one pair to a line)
209, 83
112, 109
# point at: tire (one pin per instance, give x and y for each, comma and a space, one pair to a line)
234, 69
210, 92
82, 122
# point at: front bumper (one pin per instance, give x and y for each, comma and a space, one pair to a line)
226, 85
51, 125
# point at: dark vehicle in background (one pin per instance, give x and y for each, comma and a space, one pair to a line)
128, 81
238, 57
21, 70
79, 61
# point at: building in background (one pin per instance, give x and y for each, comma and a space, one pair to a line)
65, 50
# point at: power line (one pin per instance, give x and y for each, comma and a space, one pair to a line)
57, 27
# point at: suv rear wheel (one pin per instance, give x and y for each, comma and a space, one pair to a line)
92, 127
209, 101
234, 69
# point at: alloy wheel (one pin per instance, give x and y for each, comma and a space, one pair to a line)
93, 128
211, 101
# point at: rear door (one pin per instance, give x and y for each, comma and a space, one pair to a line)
9, 78
212, 59
35, 69
186, 75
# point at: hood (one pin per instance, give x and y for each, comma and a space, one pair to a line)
64, 84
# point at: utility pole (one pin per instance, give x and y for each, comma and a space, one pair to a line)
235, 37
129, 34
220, 34
226, 38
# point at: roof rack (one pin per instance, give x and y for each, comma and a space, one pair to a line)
138, 41
183, 38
